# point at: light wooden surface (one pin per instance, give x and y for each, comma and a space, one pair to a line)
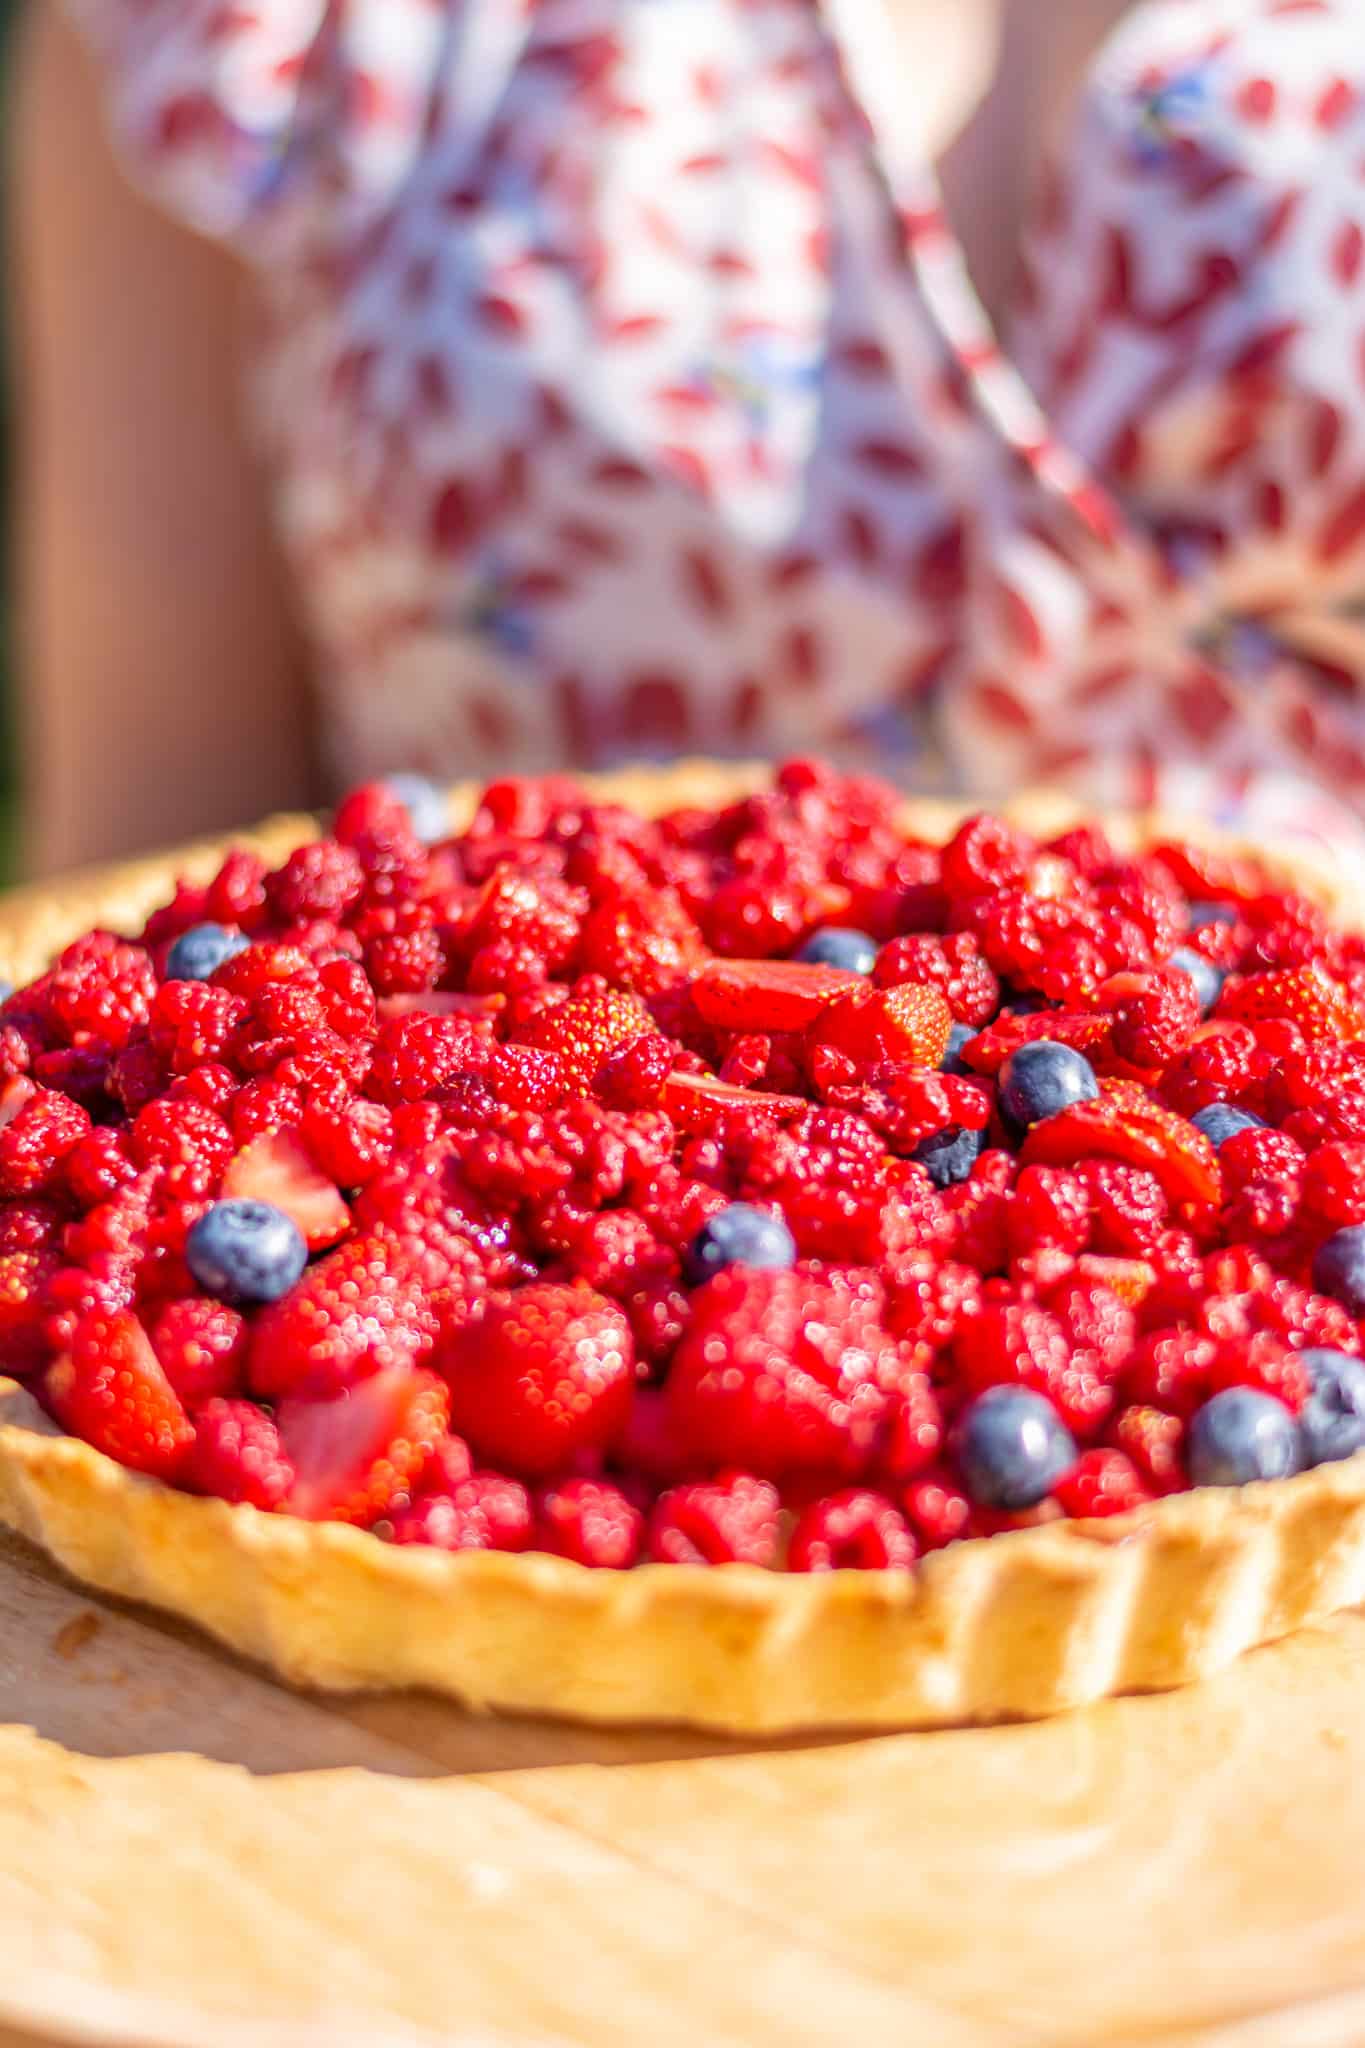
1178, 1870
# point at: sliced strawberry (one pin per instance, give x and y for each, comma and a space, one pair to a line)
1305, 996
440, 1002
768, 995
360, 1454
1083, 1030
908, 1025
694, 1099
278, 1168
1125, 1123
110, 1390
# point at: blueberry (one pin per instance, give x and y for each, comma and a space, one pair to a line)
950, 1154
1211, 913
1208, 980
425, 803
244, 1251
201, 950
739, 1235
1240, 1435
837, 945
1333, 1420
1012, 1447
1041, 1079
1219, 1121
1339, 1267
958, 1036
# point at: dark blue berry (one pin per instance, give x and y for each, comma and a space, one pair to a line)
1241, 1435
1012, 1448
958, 1036
426, 804
201, 950
1041, 1079
1208, 980
1219, 1121
244, 1251
950, 1154
1339, 1267
1332, 1424
740, 1235
1211, 913
838, 945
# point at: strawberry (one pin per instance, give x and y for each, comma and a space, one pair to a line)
24, 1277
586, 1028
1305, 996
110, 1389
1125, 1123
361, 1453
278, 1168
359, 1310
907, 1025
543, 1374
693, 1100
768, 995
784, 1373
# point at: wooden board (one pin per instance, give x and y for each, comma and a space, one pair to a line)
396, 1874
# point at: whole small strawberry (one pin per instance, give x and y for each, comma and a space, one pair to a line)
1306, 996
110, 1389
591, 1024
542, 1375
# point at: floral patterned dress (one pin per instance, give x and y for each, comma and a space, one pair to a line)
625, 392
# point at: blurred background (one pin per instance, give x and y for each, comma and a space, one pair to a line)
8, 775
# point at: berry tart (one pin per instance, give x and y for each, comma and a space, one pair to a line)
701, 1246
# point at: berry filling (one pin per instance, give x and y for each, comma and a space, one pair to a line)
759, 1184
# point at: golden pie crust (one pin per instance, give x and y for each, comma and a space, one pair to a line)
1023, 1624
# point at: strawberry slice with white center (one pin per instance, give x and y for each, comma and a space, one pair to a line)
278, 1168
768, 995
693, 1099
358, 1455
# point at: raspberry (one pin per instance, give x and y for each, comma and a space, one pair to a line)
1333, 1187
1153, 1442
983, 854
936, 1508
852, 1528
192, 1021
733, 1520
98, 1167
1097, 1322
953, 964
535, 911
1219, 1068
1128, 1209
110, 1390
1103, 1482
787, 1371
1250, 1156
405, 963
322, 879
237, 1455
417, 1054
26, 1274
102, 988
929, 1299
353, 1147
202, 1347
633, 1076
827, 1175
191, 1144
1050, 1205
265, 1105
34, 1144
1265, 1362
236, 895
1156, 1020
360, 1308
527, 1077
1019, 1343
590, 1521
1169, 1370
487, 1511
542, 1375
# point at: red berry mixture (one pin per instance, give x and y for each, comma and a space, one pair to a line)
758, 1186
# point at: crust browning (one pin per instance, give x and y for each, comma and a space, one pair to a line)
1020, 1625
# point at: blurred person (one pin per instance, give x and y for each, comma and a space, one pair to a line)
480, 386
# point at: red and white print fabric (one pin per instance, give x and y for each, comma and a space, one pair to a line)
626, 392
